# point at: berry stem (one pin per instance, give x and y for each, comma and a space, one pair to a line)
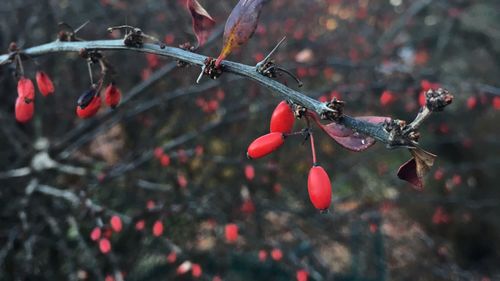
313, 149
90, 73
20, 63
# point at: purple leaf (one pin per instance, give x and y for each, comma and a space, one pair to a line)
336, 130
203, 23
374, 119
240, 26
355, 142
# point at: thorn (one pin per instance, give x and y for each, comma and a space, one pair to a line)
263, 62
81, 26
201, 74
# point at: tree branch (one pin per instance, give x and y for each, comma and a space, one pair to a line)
377, 131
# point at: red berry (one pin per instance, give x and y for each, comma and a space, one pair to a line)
262, 255
276, 254
25, 89
425, 85
422, 99
112, 95
196, 270
282, 119
172, 257
95, 234
165, 160
44, 83
182, 180
265, 145
88, 104
157, 228
496, 103
249, 172
387, 98
320, 188
302, 275
247, 207
140, 225
471, 102
24, 109
116, 223
231, 232
104, 246
158, 152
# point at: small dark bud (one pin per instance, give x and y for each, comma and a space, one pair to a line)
437, 100
13, 47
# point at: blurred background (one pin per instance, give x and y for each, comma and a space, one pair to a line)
160, 188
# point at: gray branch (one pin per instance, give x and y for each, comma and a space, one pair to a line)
377, 131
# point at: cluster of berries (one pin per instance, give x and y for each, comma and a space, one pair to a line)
281, 126
25, 102
89, 102
87, 106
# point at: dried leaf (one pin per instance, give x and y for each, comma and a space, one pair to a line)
424, 159
408, 172
414, 170
203, 23
240, 26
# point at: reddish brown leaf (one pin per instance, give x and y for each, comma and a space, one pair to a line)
346, 137
414, 170
408, 172
336, 130
240, 26
203, 23
355, 142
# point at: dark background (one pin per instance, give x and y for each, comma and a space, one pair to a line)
379, 227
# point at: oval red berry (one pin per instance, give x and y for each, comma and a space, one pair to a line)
88, 108
25, 89
231, 232
116, 223
44, 83
24, 110
320, 188
265, 145
112, 96
282, 119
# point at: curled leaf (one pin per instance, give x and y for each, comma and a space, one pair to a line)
203, 23
408, 172
240, 26
414, 170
